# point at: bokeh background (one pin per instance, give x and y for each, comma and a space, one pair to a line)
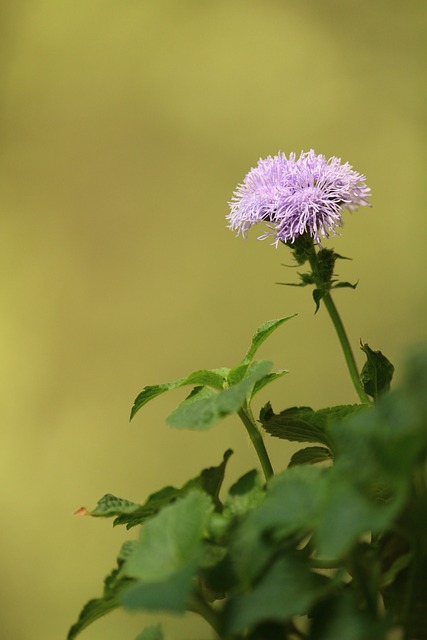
125, 127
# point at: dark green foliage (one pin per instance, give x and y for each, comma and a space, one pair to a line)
377, 372
303, 424
328, 543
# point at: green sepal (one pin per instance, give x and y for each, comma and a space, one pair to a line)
317, 297
214, 378
209, 481
377, 372
116, 582
154, 632
310, 455
202, 410
345, 285
306, 279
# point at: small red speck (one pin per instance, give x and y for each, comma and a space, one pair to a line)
81, 512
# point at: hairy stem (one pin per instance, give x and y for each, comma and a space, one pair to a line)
248, 420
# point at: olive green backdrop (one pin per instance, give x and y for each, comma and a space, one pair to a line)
125, 128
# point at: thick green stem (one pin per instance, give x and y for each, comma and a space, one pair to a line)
248, 420
341, 333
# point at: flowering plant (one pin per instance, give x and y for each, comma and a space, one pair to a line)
332, 546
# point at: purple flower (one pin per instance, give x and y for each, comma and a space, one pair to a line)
297, 196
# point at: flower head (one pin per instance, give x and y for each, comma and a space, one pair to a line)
297, 196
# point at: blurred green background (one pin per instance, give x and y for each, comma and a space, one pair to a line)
125, 128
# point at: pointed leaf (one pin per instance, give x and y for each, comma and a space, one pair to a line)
270, 377
110, 505
262, 333
209, 481
377, 372
207, 377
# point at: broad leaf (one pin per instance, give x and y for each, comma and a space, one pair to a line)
303, 424
290, 509
290, 588
165, 558
377, 372
297, 424
203, 410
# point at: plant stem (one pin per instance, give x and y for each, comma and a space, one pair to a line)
248, 420
341, 333
345, 345
200, 606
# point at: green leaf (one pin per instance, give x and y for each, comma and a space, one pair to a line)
151, 633
209, 481
290, 588
377, 372
297, 424
267, 379
303, 424
171, 595
203, 410
262, 333
207, 377
310, 455
165, 558
114, 584
109, 506
342, 617
245, 494
349, 511
290, 509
